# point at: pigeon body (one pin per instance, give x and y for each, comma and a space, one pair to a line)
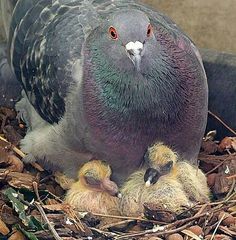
104, 80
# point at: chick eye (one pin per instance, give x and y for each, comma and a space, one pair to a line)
149, 30
167, 167
113, 33
92, 181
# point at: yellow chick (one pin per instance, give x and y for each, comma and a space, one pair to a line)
94, 191
166, 162
166, 192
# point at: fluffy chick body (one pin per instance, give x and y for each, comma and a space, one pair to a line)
192, 179
194, 182
167, 193
85, 196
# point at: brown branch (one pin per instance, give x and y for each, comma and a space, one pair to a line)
217, 226
45, 218
21, 154
214, 159
104, 233
35, 187
222, 122
231, 177
127, 218
152, 231
216, 167
110, 225
231, 190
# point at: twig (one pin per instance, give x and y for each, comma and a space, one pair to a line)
15, 149
45, 218
152, 231
21, 154
230, 197
214, 159
35, 187
216, 167
107, 234
73, 216
227, 231
231, 189
231, 177
222, 202
217, 226
127, 218
222, 122
115, 224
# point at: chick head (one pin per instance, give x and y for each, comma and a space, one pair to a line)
95, 175
161, 160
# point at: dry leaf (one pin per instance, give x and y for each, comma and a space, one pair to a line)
156, 212
218, 237
228, 219
196, 230
16, 165
175, 236
4, 230
12, 135
18, 180
211, 178
17, 235
57, 207
222, 185
209, 147
228, 143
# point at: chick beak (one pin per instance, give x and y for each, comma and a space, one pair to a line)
135, 51
151, 176
110, 187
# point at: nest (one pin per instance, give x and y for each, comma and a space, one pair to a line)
32, 204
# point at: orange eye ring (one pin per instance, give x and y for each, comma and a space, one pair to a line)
149, 30
113, 33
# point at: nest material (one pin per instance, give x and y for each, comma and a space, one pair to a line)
32, 207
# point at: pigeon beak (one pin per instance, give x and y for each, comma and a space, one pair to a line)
134, 51
110, 187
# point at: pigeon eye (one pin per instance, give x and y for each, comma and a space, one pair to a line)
113, 33
149, 30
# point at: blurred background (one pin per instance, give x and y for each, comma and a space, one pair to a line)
210, 23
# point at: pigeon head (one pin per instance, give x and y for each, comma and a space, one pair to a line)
95, 175
129, 65
128, 34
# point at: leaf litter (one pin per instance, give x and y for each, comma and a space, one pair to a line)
32, 207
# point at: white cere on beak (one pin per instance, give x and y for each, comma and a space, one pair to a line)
134, 51
148, 183
119, 195
136, 47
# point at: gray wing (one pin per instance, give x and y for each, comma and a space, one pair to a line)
45, 38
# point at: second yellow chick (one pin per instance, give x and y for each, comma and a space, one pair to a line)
167, 163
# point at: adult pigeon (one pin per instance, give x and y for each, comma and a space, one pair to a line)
104, 79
